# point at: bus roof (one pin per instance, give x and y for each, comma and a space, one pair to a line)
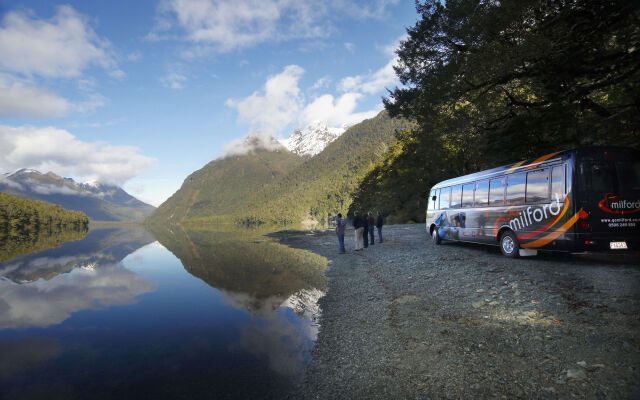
530, 164
506, 169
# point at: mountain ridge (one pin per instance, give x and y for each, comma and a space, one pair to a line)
98, 201
311, 190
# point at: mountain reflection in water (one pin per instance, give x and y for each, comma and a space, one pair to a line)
118, 316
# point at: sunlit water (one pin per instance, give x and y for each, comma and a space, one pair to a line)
198, 314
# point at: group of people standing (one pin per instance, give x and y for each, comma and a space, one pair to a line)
364, 230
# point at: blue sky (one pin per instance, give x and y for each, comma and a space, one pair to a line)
142, 93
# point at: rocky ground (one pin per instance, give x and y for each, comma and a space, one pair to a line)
409, 319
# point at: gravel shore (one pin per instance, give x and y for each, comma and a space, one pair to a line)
409, 319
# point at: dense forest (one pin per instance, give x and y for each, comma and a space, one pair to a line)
24, 216
30, 225
490, 83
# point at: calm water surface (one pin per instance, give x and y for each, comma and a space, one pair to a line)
180, 314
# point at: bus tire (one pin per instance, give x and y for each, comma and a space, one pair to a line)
435, 237
509, 244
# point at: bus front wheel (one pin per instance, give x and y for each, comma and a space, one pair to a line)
509, 244
434, 235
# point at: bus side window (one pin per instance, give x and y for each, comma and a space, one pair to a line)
445, 196
538, 186
482, 194
456, 196
557, 182
467, 195
496, 192
515, 188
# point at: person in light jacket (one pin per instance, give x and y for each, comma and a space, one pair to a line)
358, 225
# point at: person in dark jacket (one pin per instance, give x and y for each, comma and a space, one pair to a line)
379, 223
341, 226
365, 232
358, 226
371, 223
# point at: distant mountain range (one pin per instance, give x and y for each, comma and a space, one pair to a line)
309, 184
98, 201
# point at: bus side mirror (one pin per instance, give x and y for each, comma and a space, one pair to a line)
433, 198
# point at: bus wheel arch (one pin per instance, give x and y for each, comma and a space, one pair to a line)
431, 228
508, 242
435, 236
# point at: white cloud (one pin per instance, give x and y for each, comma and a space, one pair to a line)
32, 102
276, 106
336, 112
230, 24
321, 83
350, 47
62, 46
21, 98
254, 141
281, 105
51, 149
365, 9
373, 82
52, 189
5, 181
173, 80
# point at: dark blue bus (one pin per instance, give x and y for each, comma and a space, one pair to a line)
586, 199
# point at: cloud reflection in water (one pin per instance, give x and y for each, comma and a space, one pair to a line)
43, 303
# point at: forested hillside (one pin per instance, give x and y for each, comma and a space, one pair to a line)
22, 216
321, 187
223, 185
496, 82
29, 225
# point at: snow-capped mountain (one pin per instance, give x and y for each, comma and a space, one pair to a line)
97, 200
312, 139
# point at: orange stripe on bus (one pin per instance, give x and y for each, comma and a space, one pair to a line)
553, 235
549, 225
514, 167
541, 159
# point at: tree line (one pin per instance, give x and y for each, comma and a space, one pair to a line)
490, 83
24, 216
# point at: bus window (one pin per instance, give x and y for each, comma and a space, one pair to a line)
432, 202
482, 194
467, 195
538, 186
445, 196
496, 192
515, 188
557, 182
456, 196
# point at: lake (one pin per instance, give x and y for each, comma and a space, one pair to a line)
184, 314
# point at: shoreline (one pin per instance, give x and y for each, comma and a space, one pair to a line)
408, 319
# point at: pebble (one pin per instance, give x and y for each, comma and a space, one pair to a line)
576, 374
478, 304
